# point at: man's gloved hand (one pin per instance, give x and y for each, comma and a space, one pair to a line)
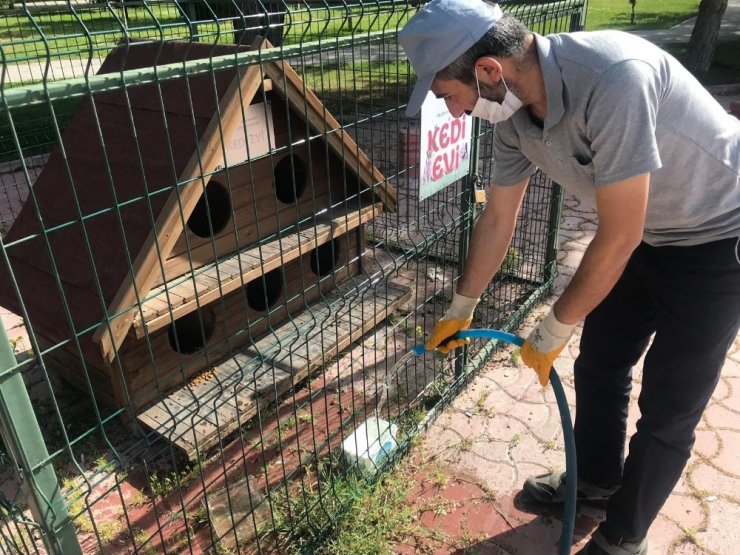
458, 317
544, 344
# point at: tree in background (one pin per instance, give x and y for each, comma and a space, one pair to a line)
704, 36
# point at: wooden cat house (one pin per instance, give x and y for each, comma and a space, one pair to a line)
184, 221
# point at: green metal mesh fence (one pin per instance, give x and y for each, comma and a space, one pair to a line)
214, 263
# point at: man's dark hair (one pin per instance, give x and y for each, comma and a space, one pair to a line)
506, 39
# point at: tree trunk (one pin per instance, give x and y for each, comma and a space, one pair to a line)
704, 36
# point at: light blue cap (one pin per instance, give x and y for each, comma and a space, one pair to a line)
438, 34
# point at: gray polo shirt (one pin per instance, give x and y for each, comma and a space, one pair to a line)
618, 106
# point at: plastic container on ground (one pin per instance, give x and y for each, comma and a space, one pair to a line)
370, 444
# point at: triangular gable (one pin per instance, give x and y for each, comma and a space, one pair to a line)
181, 202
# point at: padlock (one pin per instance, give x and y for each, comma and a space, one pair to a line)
479, 196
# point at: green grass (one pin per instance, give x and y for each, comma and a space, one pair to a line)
360, 86
99, 31
649, 14
64, 35
378, 517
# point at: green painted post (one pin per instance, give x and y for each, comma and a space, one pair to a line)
578, 18
468, 208
22, 437
553, 233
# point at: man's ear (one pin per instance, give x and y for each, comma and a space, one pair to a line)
488, 69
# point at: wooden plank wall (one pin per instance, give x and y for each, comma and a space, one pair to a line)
181, 296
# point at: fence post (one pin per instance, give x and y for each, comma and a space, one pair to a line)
468, 208
578, 18
21, 434
553, 232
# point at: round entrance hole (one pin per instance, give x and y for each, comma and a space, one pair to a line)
190, 333
324, 258
264, 292
214, 202
290, 179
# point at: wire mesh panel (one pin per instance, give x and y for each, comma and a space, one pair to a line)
215, 263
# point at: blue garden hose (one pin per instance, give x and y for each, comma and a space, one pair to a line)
569, 510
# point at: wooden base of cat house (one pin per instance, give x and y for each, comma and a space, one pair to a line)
185, 219
215, 403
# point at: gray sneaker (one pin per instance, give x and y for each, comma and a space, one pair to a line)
550, 488
599, 545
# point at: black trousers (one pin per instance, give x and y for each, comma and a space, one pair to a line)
689, 297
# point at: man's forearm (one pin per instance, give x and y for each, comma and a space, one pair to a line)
488, 247
601, 266
491, 237
621, 207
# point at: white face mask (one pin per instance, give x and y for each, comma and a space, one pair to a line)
495, 111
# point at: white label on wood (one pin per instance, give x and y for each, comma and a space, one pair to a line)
258, 139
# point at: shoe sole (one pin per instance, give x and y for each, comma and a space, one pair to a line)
597, 503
